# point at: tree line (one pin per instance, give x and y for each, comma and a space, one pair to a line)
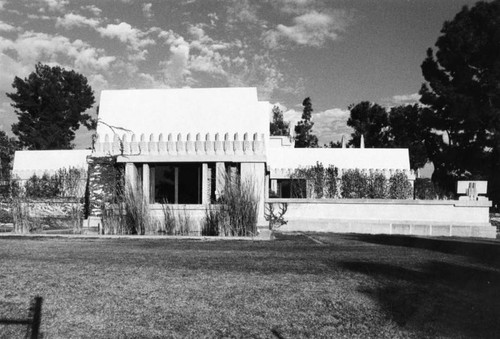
456, 125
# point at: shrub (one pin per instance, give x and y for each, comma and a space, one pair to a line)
276, 218
354, 184
400, 186
169, 221
331, 177
314, 182
377, 188
212, 222
43, 187
23, 221
138, 218
237, 213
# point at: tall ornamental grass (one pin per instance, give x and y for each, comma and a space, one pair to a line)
236, 214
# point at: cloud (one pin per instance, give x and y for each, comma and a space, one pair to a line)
242, 12
32, 47
5, 27
55, 5
39, 17
309, 29
124, 32
175, 69
71, 20
93, 9
294, 6
331, 125
405, 99
146, 10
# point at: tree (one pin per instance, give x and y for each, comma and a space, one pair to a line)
278, 126
50, 105
303, 130
407, 129
331, 144
8, 147
371, 121
463, 91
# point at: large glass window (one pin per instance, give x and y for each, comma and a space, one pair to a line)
176, 183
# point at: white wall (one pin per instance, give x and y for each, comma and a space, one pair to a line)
417, 217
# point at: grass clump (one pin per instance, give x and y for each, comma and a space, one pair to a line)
236, 212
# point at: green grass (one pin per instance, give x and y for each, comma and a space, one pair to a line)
341, 286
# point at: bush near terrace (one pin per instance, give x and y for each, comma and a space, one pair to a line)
325, 182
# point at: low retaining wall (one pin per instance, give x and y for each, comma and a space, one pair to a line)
461, 218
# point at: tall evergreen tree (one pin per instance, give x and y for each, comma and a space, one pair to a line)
463, 91
49, 104
278, 126
8, 147
304, 138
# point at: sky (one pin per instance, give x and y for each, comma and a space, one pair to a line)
337, 52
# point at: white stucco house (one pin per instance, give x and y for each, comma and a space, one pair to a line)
174, 144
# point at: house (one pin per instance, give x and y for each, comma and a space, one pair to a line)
176, 146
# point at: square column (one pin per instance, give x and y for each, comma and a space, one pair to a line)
255, 172
130, 175
145, 182
220, 177
205, 189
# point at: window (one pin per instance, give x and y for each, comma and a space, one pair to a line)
176, 183
288, 188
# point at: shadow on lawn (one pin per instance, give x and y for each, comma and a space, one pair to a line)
32, 322
437, 299
483, 251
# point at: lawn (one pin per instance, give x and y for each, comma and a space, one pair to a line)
314, 285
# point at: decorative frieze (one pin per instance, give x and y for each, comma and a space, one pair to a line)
177, 144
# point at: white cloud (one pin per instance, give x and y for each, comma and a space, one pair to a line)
56, 5
133, 37
242, 11
93, 9
5, 27
331, 125
175, 69
294, 6
71, 20
39, 17
405, 99
309, 29
146, 10
32, 47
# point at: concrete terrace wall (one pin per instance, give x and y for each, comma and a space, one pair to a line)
373, 216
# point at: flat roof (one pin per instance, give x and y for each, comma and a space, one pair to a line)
186, 110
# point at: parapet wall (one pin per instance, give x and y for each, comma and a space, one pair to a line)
373, 216
230, 144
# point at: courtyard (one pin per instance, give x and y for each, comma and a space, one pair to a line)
300, 285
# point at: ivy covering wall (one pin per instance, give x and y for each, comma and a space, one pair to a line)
106, 180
